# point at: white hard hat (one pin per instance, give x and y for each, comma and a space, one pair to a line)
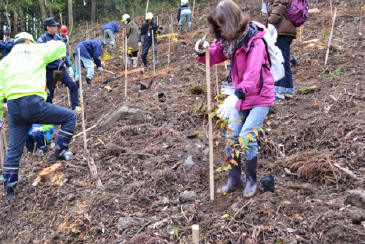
184, 1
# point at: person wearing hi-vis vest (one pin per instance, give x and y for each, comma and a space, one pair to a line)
184, 14
148, 27
24, 89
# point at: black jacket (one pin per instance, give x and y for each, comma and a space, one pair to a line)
146, 30
185, 6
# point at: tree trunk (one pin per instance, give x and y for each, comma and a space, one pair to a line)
49, 8
70, 16
43, 9
15, 28
22, 17
93, 11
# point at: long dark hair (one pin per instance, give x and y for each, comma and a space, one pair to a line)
227, 20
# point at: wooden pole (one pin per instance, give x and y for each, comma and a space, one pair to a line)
82, 101
192, 12
168, 51
331, 9
153, 53
301, 33
157, 19
216, 78
195, 229
1, 152
87, 30
162, 13
126, 66
329, 41
209, 107
361, 16
147, 7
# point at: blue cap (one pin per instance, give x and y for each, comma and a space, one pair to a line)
50, 22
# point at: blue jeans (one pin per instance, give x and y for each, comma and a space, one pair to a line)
87, 63
25, 111
242, 123
146, 47
185, 14
68, 81
286, 84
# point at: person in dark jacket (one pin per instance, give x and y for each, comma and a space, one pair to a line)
51, 28
89, 49
184, 13
108, 32
286, 31
7, 45
147, 28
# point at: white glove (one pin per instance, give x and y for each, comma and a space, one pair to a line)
1, 123
205, 45
36, 129
71, 72
139, 44
225, 109
100, 69
272, 30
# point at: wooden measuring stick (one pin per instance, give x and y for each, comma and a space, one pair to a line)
329, 41
195, 229
153, 53
216, 78
126, 66
82, 101
192, 12
209, 108
147, 7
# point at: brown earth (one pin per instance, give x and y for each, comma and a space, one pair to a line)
140, 159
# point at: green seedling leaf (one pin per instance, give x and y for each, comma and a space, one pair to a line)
219, 169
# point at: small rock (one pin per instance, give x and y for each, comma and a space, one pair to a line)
71, 197
206, 151
362, 170
149, 165
357, 215
139, 214
296, 220
114, 149
188, 196
63, 192
356, 198
233, 209
175, 209
122, 112
189, 162
125, 222
163, 201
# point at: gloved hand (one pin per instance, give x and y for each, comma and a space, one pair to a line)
225, 109
272, 30
100, 69
201, 44
36, 129
160, 27
71, 71
1, 123
139, 44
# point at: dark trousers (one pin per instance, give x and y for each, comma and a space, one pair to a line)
146, 46
286, 84
68, 81
25, 111
133, 54
36, 137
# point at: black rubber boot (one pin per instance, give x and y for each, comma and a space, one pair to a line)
61, 149
251, 178
88, 81
234, 176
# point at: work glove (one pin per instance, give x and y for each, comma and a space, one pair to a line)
1, 123
71, 71
160, 27
201, 43
225, 109
100, 69
36, 129
139, 44
272, 30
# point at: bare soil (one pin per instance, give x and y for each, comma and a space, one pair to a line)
140, 159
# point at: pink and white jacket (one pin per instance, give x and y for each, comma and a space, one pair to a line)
250, 68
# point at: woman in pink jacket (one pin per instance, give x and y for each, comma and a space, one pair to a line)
240, 41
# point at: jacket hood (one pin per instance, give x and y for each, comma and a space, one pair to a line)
255, 31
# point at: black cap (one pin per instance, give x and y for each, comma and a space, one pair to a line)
49, 22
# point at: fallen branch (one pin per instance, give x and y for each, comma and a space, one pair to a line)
348, 172
94, 173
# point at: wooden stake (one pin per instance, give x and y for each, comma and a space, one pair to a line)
195, 229
331, 9
209, 107
157, 19
162, 14
87, 30
329, 41
82, 101
1, 152
192, 12
153, 53
126, 66
301, 33
360, 16
168, 51
216, 77
61, 19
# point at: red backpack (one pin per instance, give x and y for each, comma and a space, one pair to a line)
297, 13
